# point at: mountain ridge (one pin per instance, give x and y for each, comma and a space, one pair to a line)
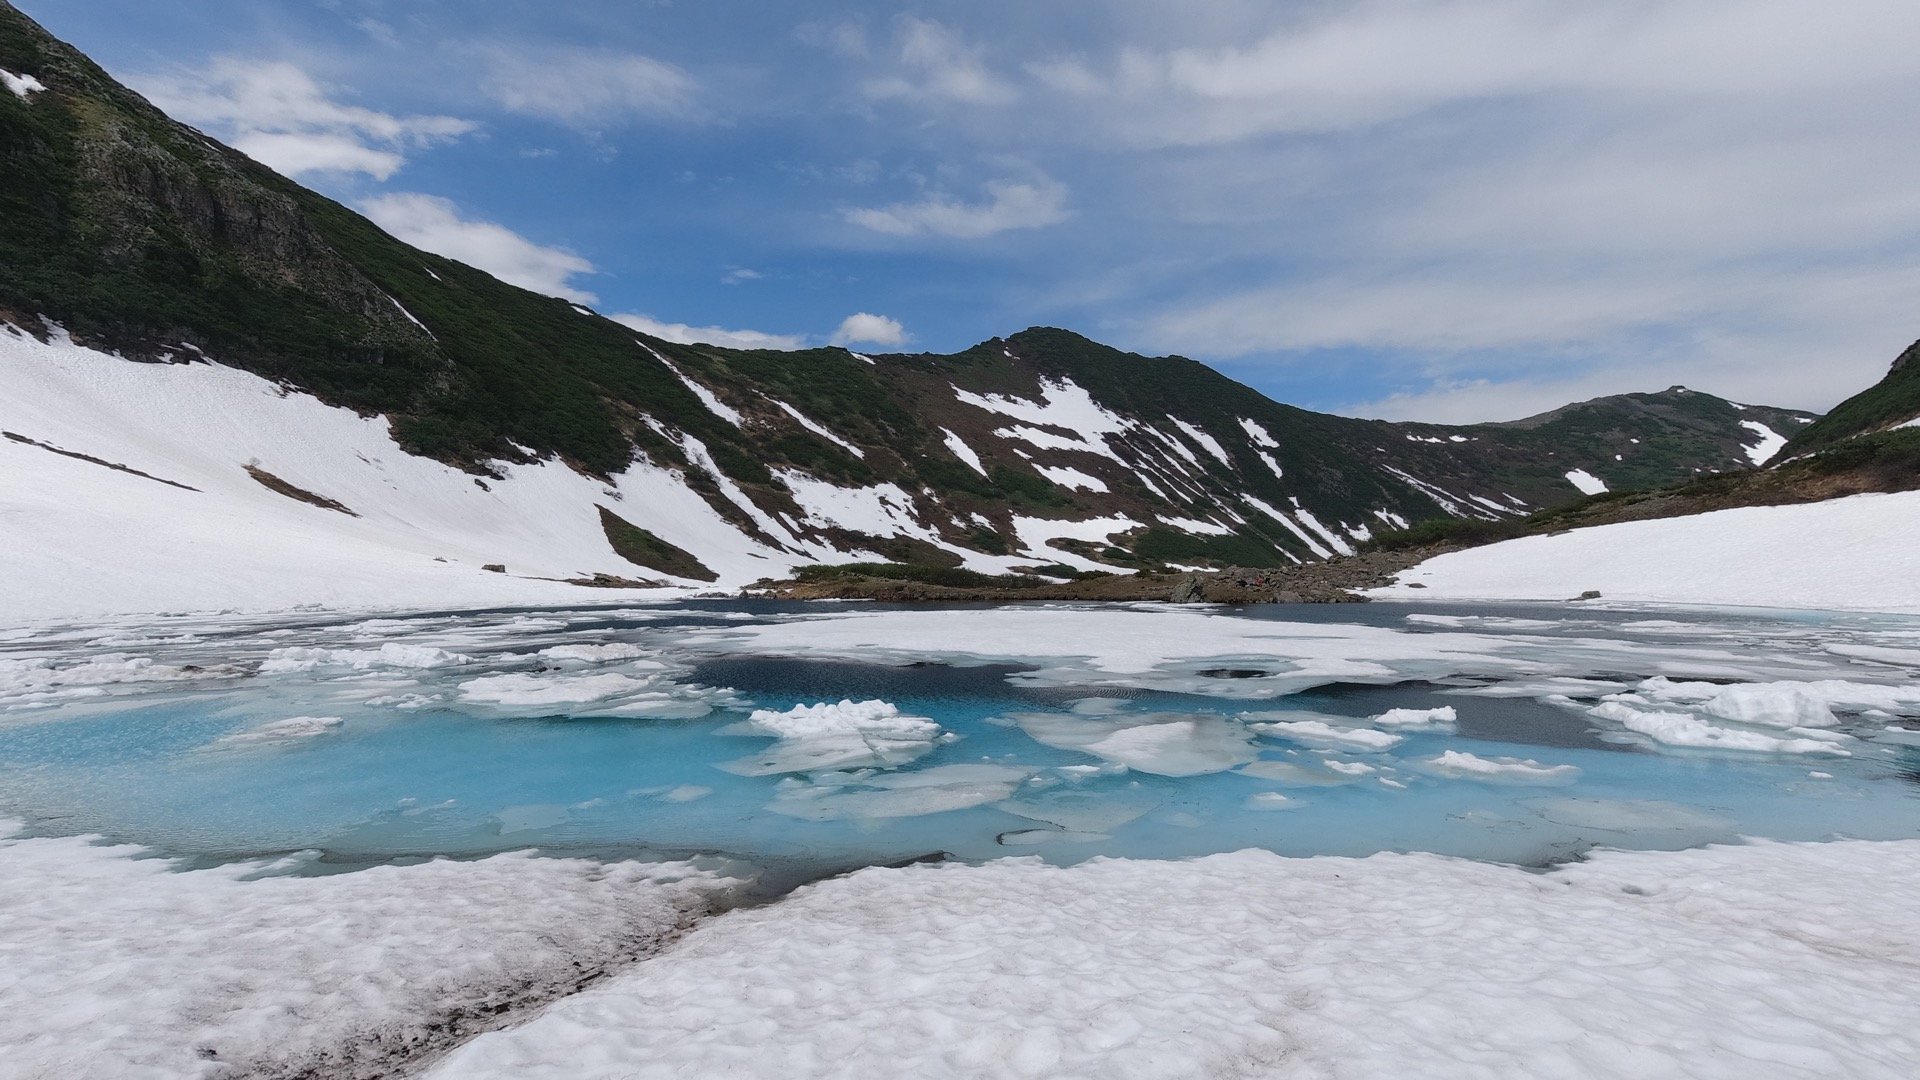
140, 236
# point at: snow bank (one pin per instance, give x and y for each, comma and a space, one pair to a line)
113, 966
1775, 960
1846, 554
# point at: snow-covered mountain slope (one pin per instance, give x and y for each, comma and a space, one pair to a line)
459, 417
1854, 553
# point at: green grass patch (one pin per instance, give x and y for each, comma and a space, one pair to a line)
642, 548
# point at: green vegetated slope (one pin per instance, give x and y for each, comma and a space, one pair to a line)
141, 235
1892, 401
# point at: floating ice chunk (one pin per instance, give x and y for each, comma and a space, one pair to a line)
1271, 800
1879, 654
1321, 733
292, 729
1352, 768
1417, 719
594, 654
41, 682
1286, 772
1165, 744
1460, 765
1781, 705
1558, 686
834, 735
1834, 693
534, 690
1633, 816
1684, 729
841, 796
393, 654
684, 793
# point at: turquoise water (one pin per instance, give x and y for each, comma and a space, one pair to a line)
415, 767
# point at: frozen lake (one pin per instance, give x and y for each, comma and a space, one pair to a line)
806, 739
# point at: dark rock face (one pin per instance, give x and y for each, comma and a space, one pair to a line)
1907, 359
1188, 590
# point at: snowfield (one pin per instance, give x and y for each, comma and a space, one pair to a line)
115, 967
1851, 554
1737, 962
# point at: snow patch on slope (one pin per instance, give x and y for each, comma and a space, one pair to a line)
1588, 483
1770, 442
1844, 554
21, 85
820, 429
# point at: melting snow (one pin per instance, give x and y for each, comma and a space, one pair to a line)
820, 430
964, 452
1071, 478
21, 85
1769, 444
1588, 483
1211, 444
1259, 435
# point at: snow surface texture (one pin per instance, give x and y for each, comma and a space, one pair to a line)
1845, 554
1737, 962
115, 967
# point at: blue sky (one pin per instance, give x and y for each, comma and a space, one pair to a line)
1452, 210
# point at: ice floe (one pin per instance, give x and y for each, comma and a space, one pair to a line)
1461, 765
834, 735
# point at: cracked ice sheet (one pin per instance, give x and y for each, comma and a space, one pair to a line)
117, 967
1724, 962
1160, 648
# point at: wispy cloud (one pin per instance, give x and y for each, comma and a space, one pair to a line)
277, 114
710, 335
433, 223
932, 62
1009, 205
585, 87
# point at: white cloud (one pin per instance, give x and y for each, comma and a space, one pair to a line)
710, 335
586, 87
1343, 65
864, 328
433, 223
277, 114
936, 63
1009, 205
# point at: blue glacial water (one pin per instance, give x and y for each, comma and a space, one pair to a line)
159, 735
